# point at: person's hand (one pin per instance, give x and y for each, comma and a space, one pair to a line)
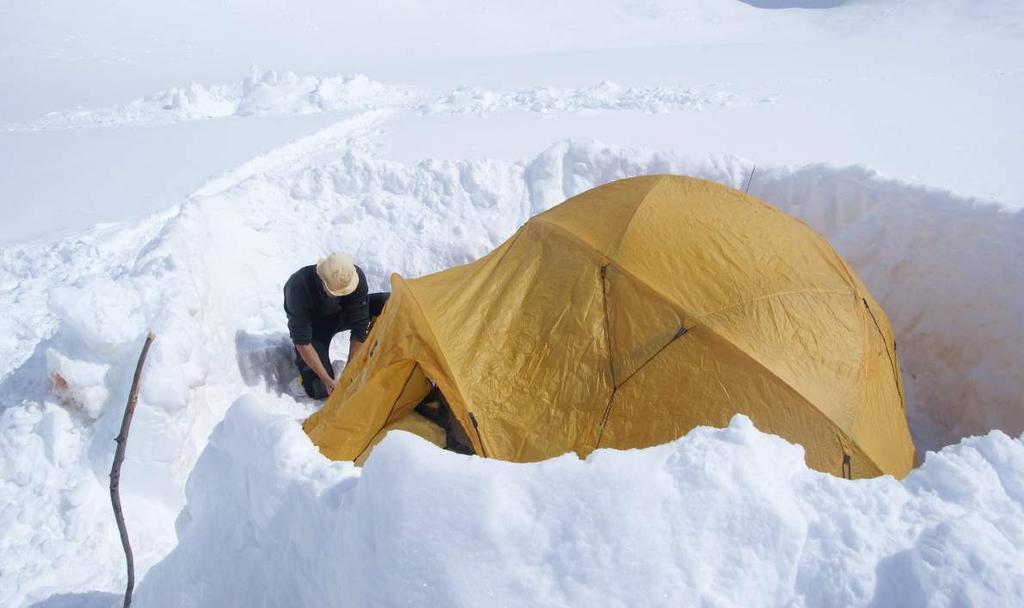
328, 384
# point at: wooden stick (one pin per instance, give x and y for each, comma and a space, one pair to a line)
750, 179
115, 470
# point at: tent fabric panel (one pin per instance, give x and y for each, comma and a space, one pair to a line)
614, 203
641, 322
708, 248
344, 426
411, 423
701, 379
880, 427
383, 378
528, 345
812, 341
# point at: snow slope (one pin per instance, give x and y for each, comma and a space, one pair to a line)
432, 160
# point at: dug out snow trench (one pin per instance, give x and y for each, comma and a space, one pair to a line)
208, 279
942, 266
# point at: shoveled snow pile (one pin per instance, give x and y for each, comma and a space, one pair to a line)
269, 93
722, 517
262, 92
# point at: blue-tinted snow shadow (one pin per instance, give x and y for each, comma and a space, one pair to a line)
794, 3
29, 381
90, 599
267, 359
896, 584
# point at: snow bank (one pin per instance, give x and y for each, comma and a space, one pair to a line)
606, 95
207, 280
268, 93
262, 92
722, 517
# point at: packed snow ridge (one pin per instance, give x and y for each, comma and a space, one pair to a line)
721, 517
269, 93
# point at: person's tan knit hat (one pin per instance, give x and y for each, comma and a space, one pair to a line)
338, 274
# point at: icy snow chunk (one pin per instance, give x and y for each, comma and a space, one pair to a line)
194, 102
78, 384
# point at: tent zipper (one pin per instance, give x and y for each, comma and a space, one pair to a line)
476, 427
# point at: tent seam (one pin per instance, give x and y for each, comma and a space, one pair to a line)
614, 248
440, 351
829, 421
766, 368
773, 295
611, 357
611, 262
390, 411
566, 233
832, 423
885, 346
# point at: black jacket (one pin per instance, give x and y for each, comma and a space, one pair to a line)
311, 310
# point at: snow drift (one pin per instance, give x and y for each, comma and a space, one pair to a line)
719, 518
265, 92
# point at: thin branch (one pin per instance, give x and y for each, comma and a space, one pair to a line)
750, 179
115, 469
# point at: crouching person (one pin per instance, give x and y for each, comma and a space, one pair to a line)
321, 301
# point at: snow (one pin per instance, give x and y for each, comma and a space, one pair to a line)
262, 92
893, 127
722, 517
208, 279
65, 181
868, 102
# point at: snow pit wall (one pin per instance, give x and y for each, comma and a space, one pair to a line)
943, 269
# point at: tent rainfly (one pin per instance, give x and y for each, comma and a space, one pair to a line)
623, 318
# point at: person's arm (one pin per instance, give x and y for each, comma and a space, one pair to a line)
358, 313
300, 328
308, 354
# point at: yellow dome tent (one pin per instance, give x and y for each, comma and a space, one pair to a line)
623, 318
